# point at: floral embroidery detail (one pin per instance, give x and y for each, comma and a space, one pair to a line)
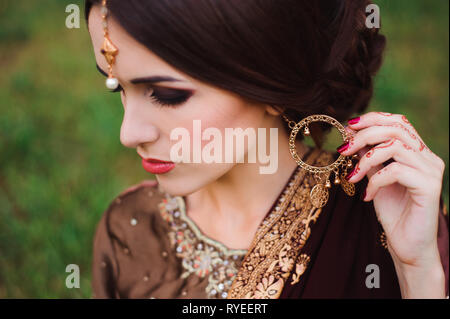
285, 262
278, 242
300, 268
267, 289
200, 255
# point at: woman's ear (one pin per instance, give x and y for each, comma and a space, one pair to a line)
274, 110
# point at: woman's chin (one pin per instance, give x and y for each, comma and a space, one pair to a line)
176, 186
187, 179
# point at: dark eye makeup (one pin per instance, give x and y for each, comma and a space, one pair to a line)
161, 96
165, 96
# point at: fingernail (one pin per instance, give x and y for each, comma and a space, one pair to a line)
363, 195
349, 175
354, 120
343, 147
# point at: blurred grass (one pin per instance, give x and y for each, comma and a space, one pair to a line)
61, 161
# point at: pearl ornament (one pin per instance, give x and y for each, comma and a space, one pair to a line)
112, 83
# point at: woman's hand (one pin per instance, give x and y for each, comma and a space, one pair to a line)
405, 195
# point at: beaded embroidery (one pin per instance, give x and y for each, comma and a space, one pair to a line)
200, 255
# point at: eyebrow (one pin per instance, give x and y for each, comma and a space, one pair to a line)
148, 79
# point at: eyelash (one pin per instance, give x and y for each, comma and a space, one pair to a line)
168, 102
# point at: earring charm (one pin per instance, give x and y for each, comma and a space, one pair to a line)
319, 193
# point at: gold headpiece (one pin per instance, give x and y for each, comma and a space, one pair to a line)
109, 50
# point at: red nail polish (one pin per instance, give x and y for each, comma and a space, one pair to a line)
354, 120
343, 147
349, 175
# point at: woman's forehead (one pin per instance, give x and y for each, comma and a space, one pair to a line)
133, 59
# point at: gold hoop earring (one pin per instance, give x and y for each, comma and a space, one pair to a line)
319, 193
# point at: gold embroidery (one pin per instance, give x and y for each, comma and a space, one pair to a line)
300, 268
270, 258
200, 255
383, 240
267, 289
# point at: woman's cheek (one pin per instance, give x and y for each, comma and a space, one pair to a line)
217, 113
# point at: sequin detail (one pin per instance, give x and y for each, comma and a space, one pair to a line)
200, 254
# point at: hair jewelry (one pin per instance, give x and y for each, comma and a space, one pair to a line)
108, 49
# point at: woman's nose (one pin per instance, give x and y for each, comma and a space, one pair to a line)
136, 128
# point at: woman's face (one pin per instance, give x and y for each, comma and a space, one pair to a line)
147, 125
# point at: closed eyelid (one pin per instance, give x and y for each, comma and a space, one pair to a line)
156, 92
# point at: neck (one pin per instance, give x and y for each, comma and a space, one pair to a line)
238, 201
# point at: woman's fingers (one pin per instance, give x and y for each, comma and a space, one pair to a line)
381, 153
402, 174
389, 120
379, 134
378, 127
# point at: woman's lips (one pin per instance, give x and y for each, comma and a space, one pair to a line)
156, 166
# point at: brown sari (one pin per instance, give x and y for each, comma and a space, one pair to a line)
146, 246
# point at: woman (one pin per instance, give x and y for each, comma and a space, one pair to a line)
222, 229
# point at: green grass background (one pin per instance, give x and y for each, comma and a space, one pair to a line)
61, 161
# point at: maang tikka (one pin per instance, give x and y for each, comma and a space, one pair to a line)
108, 49
319, 193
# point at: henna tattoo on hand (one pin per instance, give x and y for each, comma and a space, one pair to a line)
405, 120
385, 113
382, 170
414, 137
372, 150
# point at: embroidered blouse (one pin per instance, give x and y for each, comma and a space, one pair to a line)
145, 246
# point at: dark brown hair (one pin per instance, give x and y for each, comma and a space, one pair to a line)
306, 56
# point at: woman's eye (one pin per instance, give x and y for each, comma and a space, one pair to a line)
169, 97
165, 96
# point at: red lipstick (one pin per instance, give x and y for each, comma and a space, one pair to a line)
156, 166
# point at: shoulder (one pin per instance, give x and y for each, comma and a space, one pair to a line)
144, 195
119, 234
137, 202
